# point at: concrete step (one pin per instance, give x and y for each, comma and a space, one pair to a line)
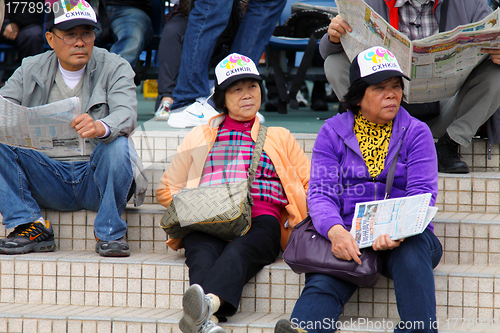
89, 319
159, 281
467, 238
476, 192
75, 230
160, 146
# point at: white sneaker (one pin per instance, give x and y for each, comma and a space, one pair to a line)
300, 99
261, 118
163, 112
192, 115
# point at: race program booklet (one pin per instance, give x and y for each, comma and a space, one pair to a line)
437, 65
398, 217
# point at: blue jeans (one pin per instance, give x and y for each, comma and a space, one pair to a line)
132, 30
30, 180
410, 267
207, 21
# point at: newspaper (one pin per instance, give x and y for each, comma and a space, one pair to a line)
45, 128
399, 217
296, 6
437, 65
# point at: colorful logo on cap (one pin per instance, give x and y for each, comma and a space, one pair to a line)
234, 61
377, 59
234, 65
379, 55
66, 10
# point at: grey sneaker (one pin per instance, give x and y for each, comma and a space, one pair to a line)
211, 327
286, 326
197, 310
31, 237
116, 248
163, 112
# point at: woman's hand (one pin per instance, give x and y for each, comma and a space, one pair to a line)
384, 242
344, 246
337, 28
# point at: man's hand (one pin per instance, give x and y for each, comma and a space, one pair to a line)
87, 128
344, 246
384, 242
494, 53
11, 31
337, 28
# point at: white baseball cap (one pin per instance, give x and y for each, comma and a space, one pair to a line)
67, 14
235, 67
375, 65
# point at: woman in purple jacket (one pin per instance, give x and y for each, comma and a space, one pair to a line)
351, 158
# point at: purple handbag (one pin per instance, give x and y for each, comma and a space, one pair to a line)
309, 252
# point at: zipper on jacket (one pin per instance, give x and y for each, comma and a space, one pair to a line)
375, 192
41, 86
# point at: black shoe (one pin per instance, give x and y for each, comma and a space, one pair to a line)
31, 237
116, 248
319, 105
448, 157
286, 326
318, 97
331, 98
272, 104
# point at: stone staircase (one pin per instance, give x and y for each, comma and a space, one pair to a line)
76, 290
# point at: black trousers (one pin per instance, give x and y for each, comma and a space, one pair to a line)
223, 268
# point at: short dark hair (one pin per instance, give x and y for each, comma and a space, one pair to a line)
356, 93
219, 96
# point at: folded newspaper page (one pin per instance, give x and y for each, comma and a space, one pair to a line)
296, 6
437, 65
399, 218
45, 128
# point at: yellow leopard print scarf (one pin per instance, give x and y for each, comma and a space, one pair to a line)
373, 142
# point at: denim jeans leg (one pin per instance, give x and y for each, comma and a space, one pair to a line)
105, 185
256, 27
29, 179
321, 303
133, 30
410, 266
207, 21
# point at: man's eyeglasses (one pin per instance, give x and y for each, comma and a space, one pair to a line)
87, 37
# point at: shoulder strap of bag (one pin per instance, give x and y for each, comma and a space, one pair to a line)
444, 16
390, 175
257, 153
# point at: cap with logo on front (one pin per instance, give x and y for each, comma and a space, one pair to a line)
235, 67
375, 65
67, 14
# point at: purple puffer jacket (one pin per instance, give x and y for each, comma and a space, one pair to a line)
340, 178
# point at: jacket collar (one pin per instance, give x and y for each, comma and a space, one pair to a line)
217, 120
48, 67
343, 125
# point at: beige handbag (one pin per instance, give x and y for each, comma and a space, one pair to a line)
224, 210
